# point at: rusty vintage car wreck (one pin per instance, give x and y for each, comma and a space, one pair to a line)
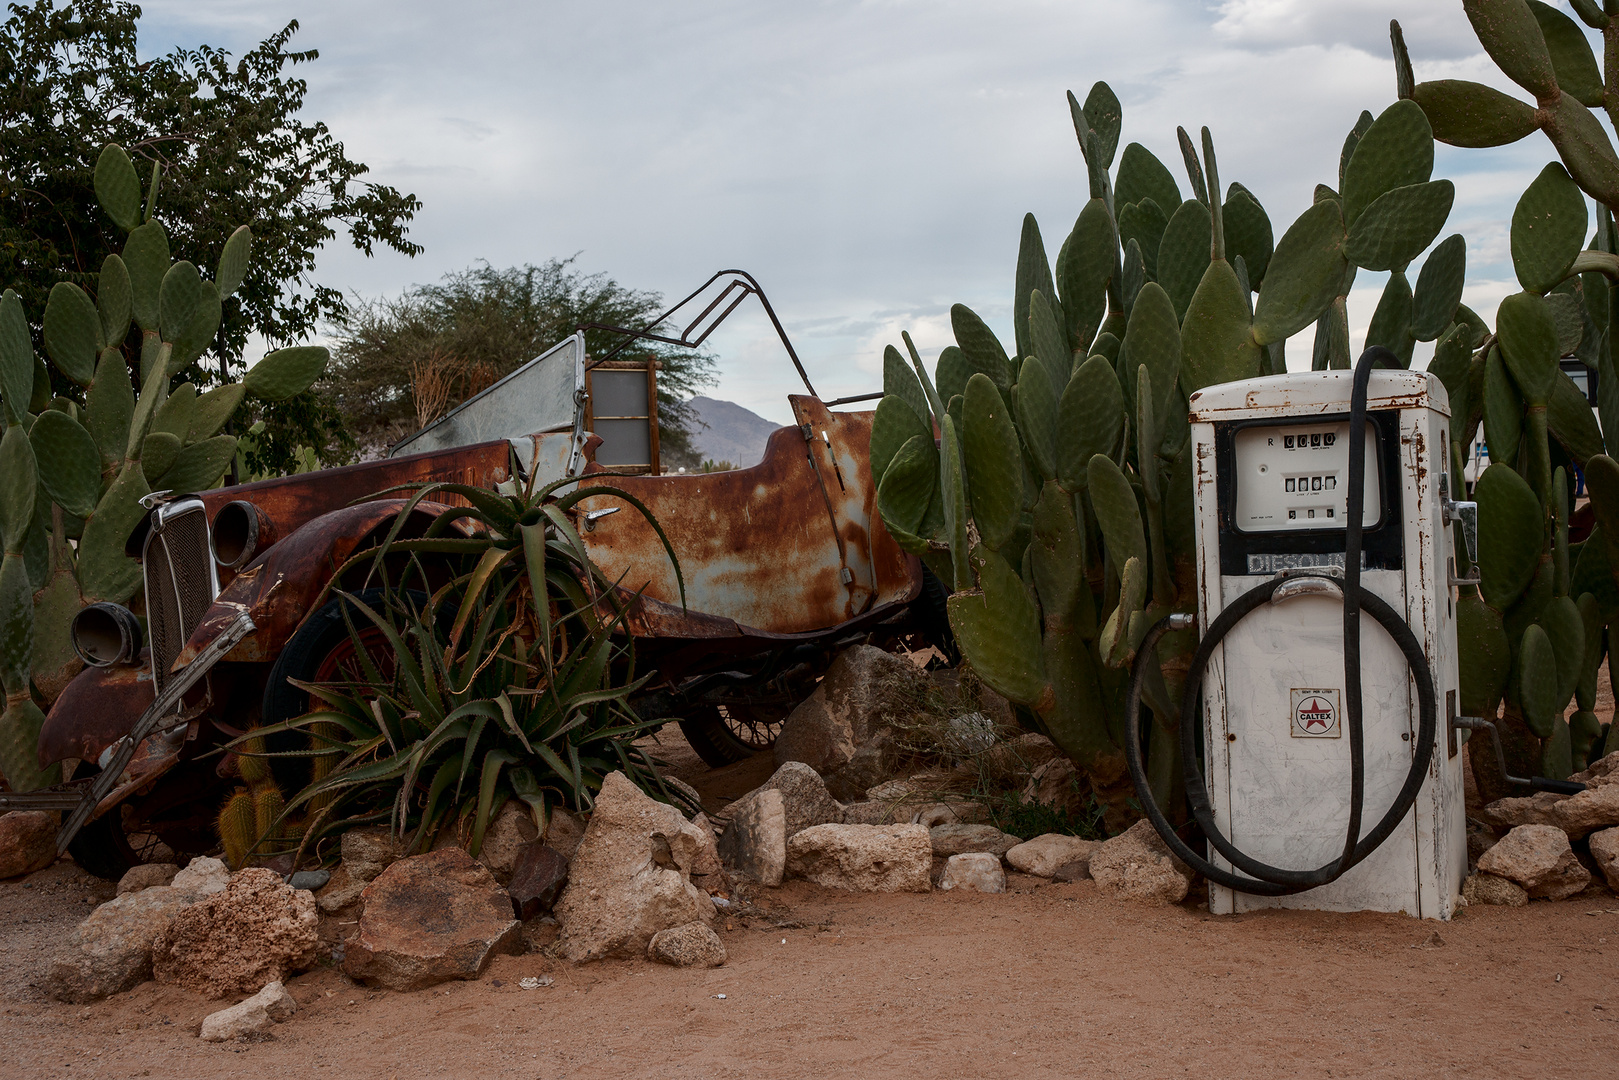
784, 563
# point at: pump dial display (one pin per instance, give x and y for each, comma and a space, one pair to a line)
1296, 476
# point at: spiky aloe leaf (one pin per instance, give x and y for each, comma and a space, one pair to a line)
1439, 288
1084, 264
146, 256
1217, 343
16, 359
73, 478
1548, 229
286, 372
1143, 176
1117, 512
991, 456
1472, 114
1304, 274
1395, 152
1183, 253
1248, 233
1511, 35
1509, 546
1399, 224
1033, 273
998, 630
1090, 421
197, 467
233, 261
1528, 336
979, 345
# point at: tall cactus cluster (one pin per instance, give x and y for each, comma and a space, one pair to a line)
75, 466
1534, 634
1052, 490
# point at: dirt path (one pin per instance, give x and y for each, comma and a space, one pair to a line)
1047, 980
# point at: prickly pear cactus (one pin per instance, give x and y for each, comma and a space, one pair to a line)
1052, 489
1533, 635
74, 468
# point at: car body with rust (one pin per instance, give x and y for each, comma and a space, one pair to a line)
784, 563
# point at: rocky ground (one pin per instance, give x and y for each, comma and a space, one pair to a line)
842, 906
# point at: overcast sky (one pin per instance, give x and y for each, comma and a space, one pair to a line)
869, 162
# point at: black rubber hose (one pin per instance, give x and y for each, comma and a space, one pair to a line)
1266, 880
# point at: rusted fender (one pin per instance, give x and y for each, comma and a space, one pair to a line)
97, 709
279, 589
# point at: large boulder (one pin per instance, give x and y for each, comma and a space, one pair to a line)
630, 877
255, 1016
111, 950
1605, 851
948, 840
563, 831
863, 858
1045, 855
27, 842
754, 844
202, 877
1579, 815
973, 871
257, 930
1539, 858
805, 800
428, 919
842, 730
693, 945
1136, 865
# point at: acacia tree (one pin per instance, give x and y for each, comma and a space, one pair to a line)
231, 147
484, 322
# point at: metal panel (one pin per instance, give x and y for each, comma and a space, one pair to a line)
181, 582
544, 394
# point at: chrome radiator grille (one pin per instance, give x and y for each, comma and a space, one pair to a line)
181, 581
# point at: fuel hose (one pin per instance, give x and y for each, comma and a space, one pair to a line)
1255, 877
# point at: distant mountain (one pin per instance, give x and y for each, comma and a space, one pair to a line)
733, 433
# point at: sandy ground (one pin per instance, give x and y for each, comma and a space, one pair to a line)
1046, 980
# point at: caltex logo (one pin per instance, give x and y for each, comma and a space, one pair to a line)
1315, 713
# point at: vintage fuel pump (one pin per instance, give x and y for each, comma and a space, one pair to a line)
1322, 758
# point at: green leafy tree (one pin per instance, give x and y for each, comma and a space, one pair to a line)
232, 147
477, 325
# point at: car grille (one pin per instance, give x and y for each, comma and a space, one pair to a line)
181, 582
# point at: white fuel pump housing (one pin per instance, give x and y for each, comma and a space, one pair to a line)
1270, 487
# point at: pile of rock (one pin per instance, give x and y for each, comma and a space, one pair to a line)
1552, 843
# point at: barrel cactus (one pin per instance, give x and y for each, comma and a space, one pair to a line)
74, 467
1534, 633
1051, 490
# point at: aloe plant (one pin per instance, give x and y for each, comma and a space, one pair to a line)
1052, 489
74, 466
511, 679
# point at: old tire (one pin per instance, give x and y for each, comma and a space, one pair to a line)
725, 734
103, 848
